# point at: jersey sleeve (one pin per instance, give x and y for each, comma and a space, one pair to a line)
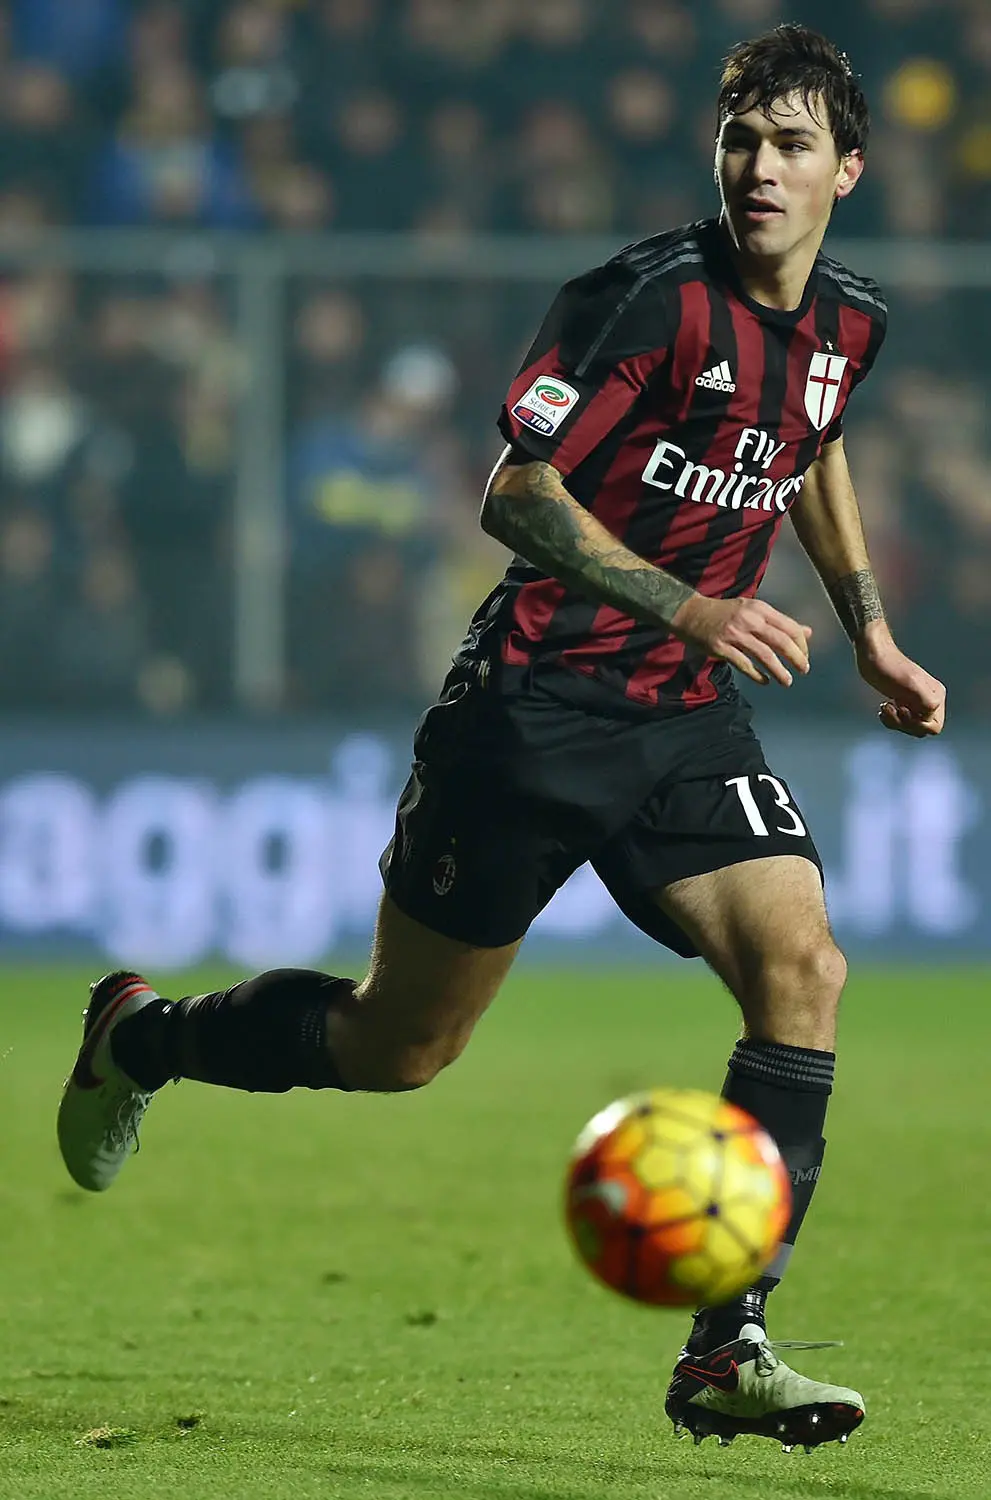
603, 337
875, 338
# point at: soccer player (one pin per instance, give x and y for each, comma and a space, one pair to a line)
677, 404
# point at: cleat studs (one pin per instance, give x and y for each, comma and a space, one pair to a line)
787, 1447
844, 1437
782, 1427
724, 1441
814, 1419
699, 1437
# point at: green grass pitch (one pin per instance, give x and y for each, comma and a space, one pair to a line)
321, 1296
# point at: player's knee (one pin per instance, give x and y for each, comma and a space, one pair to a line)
794, 995
415, 1067
811, 969
826, 968
806, 970
399, 1069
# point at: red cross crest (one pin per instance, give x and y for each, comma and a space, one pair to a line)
822, 387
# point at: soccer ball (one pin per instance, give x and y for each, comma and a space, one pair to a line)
676, 1198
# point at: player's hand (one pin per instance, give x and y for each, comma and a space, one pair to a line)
915, 703
758, 640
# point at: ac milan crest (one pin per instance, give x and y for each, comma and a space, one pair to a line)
822, 387
445, 871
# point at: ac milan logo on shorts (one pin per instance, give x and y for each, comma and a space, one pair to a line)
444, 872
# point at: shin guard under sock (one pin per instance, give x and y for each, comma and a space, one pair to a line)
264, 1035
787, 1090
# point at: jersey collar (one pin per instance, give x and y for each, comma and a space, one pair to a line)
715, 247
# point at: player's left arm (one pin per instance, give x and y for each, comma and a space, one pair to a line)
826, 517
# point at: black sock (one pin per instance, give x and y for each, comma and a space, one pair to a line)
787, 1090
265, 1035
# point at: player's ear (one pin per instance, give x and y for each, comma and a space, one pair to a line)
851, 167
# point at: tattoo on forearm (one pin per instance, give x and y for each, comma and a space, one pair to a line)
543, 523
856, 601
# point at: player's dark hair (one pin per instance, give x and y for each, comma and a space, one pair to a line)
795, 60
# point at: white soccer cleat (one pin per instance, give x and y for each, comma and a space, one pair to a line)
101, 1107
743, 1387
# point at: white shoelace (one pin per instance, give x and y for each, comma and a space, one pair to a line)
767, 1360
123, 1132
804, 1343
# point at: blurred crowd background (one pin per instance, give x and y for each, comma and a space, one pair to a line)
122, 390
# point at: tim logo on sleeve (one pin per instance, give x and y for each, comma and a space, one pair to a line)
546, 404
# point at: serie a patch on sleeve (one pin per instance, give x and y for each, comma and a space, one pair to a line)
546, 404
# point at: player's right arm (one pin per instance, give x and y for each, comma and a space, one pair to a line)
528, 508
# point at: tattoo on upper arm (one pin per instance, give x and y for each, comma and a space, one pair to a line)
856, 601
534, 514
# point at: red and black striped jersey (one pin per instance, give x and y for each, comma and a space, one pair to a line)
684, 415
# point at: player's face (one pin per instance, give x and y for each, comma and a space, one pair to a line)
779, 175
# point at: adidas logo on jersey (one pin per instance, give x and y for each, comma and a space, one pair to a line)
719, 378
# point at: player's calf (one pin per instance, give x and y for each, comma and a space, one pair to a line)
291, 1028
284, 1029
287, 1028
265, 1035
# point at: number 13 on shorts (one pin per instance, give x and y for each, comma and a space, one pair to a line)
786, 819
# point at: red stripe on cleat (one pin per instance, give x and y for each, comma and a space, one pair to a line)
82, 1074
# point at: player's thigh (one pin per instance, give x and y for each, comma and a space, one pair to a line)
469, 867
719, 863
724, 809
761, 925
414, 1012
424, 988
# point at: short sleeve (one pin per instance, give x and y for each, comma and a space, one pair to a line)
603, 337
875, 338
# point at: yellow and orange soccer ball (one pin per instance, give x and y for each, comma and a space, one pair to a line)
676, 1198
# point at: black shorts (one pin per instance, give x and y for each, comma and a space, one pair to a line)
515, 785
